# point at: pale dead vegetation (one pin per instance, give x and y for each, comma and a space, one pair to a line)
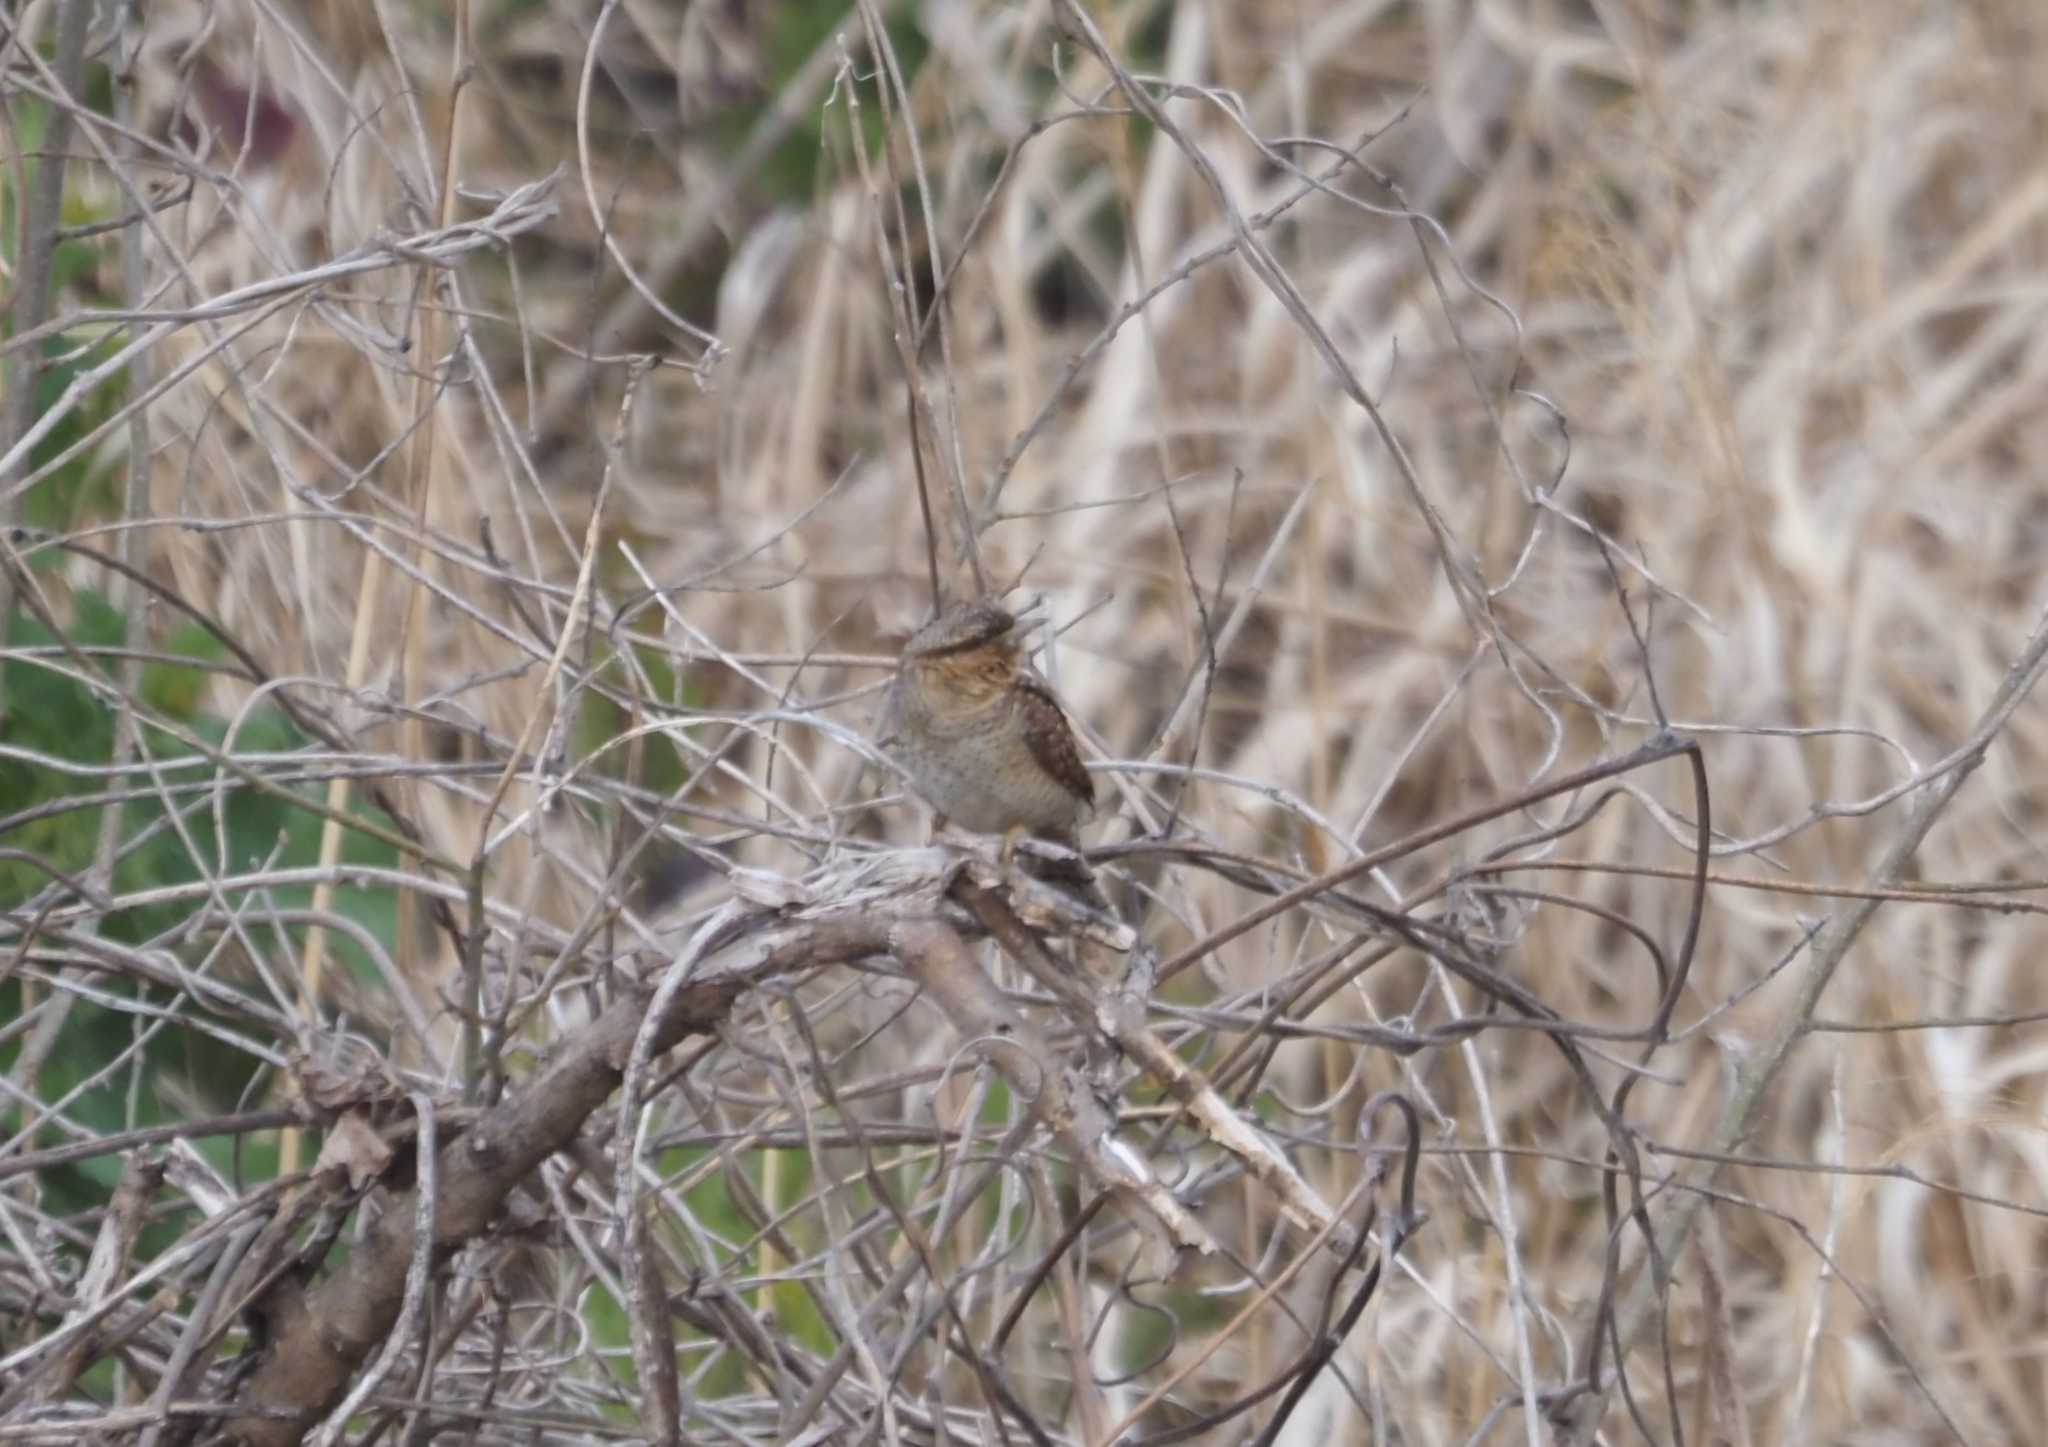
545, 420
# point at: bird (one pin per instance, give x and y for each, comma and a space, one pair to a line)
980, 736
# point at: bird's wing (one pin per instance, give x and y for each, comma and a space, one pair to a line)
1051, 738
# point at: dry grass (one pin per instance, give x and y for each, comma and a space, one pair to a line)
1752, 292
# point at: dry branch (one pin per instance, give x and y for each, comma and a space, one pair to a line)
1358, 387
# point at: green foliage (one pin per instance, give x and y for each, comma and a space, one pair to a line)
58, 717
52, 811
711, 1204
790, 172
87, 484
602, 719
61, 499
59, 728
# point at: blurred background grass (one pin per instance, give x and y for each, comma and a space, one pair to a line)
1779, 267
